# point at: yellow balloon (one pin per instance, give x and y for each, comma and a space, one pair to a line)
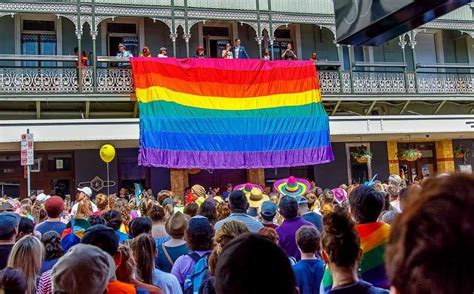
107, 153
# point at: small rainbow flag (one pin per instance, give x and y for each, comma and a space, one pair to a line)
218, 113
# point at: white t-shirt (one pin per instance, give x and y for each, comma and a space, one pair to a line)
75, 206
162, 56
236, 52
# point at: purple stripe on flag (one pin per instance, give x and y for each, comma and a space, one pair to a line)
240, 159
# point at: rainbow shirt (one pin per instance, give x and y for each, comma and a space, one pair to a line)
373, 239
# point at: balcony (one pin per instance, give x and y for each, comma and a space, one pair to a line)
20, 74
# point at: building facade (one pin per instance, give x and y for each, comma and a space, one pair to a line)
414, 92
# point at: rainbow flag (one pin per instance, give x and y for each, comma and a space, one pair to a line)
373, 239
218, 113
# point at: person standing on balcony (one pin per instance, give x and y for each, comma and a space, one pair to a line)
200, 52
145, 52
163, 53
266, 54
239, 51
227, 52
289, 54
123, 53
83, 57
313, 57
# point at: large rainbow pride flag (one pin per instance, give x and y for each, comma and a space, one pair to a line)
218, 113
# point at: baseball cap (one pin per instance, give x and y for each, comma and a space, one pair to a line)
301, 200
168, 201
121, 45
268, 209
8, 222
6, 207
86, 191
54, 206
163, 49
200, 224
103, 237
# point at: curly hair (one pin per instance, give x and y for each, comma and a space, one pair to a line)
223, 211
52, 245
191, 209
156, 213
163, 194
145, 206
208, 210
230, 230
102, 201
430, 246
270, 234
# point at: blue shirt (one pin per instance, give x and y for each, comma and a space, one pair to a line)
361, 287
168, 283
47, 226
315, 219
309, 273
252, 224
122, 237
162, 261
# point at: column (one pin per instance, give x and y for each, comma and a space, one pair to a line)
256, 176
445, 156
393, 166
179, 181
173, 37
187, 37
259, 40
79, 46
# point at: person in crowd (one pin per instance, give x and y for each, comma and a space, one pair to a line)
144, 252
289, 54
198, 193
140, 225
309, 270
287, 230
123, 193
239, 51
8, 230
81, 269
124, 54
168, 208
145, 53
255, 200
341, 252
270, 234
199, 238
200, 52
266, 54
366, 204
238, 206
313, 57
52, 247
208, 210
75, 228
404, 193
12, 281
191, 209
83, 194
388, 216
26, 227
163, 52
223, 211
113, 219
103, 237
249, 257
54, 207
228, 187
27, 255
96, 220
309, 215
158, 229
268, 211
102, 203
228, 54
169, 251
432, 254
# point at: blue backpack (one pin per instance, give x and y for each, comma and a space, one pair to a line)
199, 274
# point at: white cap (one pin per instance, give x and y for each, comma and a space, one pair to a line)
42, 197
86, 191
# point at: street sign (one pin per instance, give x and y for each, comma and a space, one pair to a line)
27, 149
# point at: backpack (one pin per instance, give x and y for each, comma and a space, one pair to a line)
199, 274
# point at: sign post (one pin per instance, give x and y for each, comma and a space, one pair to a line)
27, 156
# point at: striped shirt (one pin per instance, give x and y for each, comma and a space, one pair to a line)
252, 224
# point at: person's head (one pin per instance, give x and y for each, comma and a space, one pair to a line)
268, 211
198, 191
228, 46
54, 206
123, 193
121, 47
96, 220
27, 255
191, 209
430, 247
289, 46
308, 239
163, 51
146, 51
200, 50
237, 42
223, 211
314, 55
176, 225
340, 242
228, 231
247, 257
102, 201
302, 205
82, 193
76, 50
208, 210
389, 216
144, 251
366, 204
403, 196
84, 209
8, 226
113, 219
156, 213
26, 227
52, 245
229, 186
103, 237
238, 202
270, 234
288, 207
199, 234
13, 281
266, 52
139, 226
82, 269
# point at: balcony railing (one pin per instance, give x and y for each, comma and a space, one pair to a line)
19, 76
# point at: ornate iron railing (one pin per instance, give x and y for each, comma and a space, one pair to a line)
64, 80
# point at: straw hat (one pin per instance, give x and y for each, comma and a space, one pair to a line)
176, 225
256, 198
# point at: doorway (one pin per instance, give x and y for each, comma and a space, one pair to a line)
215, 38
423, 167
218, 178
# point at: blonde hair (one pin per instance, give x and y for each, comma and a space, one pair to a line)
27, 255
143, 247
84, 209
102, 201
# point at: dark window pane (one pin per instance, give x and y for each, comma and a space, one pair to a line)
38, 25
282, 34
215, 31
122, 28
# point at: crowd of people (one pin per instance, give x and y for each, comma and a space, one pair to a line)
296, 238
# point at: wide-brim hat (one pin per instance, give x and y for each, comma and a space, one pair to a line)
247, 187
256, 198
292, 186
176, 225
340, 195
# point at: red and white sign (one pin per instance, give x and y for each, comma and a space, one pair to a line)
26, 150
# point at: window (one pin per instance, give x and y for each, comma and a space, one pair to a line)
359, 169
122, 33
59, 162
38, 37
282, 38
